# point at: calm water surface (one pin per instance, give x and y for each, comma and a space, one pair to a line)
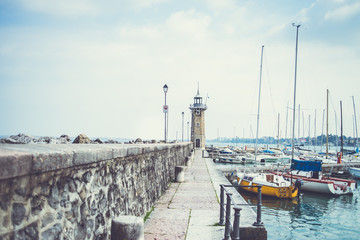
313, 216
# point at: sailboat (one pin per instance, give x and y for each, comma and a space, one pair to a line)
272, 185
310, 172
355, 171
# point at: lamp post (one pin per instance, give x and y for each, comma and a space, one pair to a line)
182, 129
188, 131
165, 88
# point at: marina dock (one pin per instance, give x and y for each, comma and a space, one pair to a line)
190, 209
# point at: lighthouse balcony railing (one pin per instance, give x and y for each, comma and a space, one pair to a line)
198, 106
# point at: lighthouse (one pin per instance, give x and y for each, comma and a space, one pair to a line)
198, 121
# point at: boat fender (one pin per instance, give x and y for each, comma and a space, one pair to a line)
298, 184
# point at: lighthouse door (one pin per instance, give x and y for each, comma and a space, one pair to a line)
197, 143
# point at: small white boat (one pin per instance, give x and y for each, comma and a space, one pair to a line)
355, 172
265, 158
237, 159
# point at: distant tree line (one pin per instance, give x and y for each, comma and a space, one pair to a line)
319, 140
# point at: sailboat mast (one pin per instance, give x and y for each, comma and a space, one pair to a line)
299, 125
341, 129
315, 140
327, 123
286, 125
278, 135
356, 136
293, 132
257, 126
336, 133
309, 132
322, 129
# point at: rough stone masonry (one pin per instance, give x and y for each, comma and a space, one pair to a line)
74, 191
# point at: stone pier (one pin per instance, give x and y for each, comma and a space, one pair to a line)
73, 191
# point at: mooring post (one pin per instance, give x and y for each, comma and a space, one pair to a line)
222, 209
258, 217
127, 227
228, 217
180, 173
236, 226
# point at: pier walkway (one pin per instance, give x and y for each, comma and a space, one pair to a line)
190, 210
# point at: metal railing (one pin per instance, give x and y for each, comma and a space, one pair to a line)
226, 220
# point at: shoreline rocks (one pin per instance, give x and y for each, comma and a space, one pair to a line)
22, 138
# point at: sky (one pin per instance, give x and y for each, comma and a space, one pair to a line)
98, 67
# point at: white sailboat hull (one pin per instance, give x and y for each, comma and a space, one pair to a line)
355, 172
330, 186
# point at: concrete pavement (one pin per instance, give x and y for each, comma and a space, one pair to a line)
190, 210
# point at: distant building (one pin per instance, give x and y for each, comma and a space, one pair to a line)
198, 121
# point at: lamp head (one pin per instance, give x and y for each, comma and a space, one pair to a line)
165, 88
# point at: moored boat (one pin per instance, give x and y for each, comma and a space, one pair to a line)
236, 159
310, 173
355, 172
272, 185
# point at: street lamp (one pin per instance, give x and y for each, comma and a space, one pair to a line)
182, 134
165, 88
188, 131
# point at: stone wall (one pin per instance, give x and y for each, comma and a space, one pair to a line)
73, 192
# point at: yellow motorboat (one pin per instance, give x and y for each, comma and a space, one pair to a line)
272, 185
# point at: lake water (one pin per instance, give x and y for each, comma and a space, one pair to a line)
313, 216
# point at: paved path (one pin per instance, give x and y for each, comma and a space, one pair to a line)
188, 210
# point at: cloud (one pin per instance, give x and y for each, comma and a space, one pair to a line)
147, 3
61, 7
69, 8
343, 12
189, 23
225, 5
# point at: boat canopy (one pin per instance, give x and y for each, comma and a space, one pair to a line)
304, 165
267, 151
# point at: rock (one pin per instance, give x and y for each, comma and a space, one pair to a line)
9, 140
86, 177
21, 138
53, 199
37, 204
65, 138
52, 233
98, 140
26, 139
82, 139
47, 219
18, 213
4, 202
43, 140
111, 142
138, 140
30, 232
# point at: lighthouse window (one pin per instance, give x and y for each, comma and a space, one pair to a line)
198, 124
197, 112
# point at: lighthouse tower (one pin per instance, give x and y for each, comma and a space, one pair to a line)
198, 121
